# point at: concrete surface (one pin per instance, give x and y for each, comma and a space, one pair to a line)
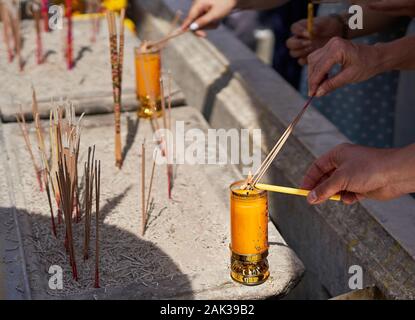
88, 83
233, 89
184, 253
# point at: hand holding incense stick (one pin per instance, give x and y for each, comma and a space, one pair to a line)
293, 191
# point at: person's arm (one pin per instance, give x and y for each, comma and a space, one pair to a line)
359, 62
206, 14
394, 7
360, 172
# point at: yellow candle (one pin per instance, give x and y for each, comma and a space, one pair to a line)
148, 72
310, 19
249, 220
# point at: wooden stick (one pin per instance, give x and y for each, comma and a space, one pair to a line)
178, 32
278, 146
97, 195
22, 124
37, 17
293, 191
151, 185
69, 37
143, 188
45, 16
5, 17
116, 85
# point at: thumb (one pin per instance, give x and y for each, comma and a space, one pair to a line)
210, 18
326, 189
331, 84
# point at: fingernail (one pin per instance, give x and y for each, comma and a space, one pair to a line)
194, 26
320, 93
312, 197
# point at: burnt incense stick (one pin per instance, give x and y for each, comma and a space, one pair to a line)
165, 150
169, 160
5, 17
143, 188
115, 60
176, 33
69, 36
88, 193
37, 16
45, 16
150, 186
23, 127
97, 196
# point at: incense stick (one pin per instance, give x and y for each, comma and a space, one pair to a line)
23, 127
278, 146
178, 32
310, 18
115, 61
97, 196
45, 16
143, 188
37, 17
69, 37
293, 191
150, 186
5, 17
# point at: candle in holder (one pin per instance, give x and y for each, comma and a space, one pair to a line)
148, 73
249, 235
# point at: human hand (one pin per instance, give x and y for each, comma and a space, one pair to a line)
301, 44
358, 62
360, 172
394, 7
207, 14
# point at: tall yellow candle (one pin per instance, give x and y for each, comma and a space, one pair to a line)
249, 235
148, 73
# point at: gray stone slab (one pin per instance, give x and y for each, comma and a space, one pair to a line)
88, 83
184, 253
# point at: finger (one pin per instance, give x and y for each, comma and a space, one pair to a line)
302, 61
209, 18
327, 188
296, 43
349, 197
301, 53
201, 33
195, 12
339, 80
318, 170
319, 65
300, 29
389, 7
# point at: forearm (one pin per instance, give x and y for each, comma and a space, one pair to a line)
397, 55
259, 4
401, 169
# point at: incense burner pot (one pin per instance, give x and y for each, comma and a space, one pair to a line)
249, 235
148, 73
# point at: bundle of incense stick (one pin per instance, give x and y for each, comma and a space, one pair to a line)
45, 16
116, 56
37, 17
7, 29
252, 181
66, 178
89, 174
69, 35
